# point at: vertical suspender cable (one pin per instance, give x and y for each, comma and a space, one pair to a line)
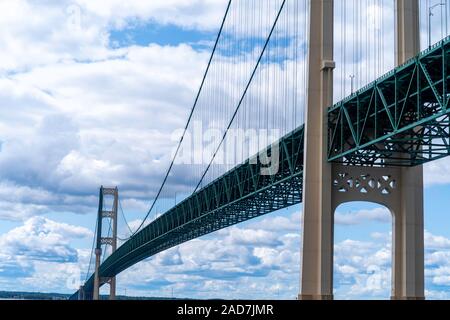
266, 44
189, 118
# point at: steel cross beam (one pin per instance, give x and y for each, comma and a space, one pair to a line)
401, 119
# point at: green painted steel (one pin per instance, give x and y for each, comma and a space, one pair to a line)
401, 119
244, 193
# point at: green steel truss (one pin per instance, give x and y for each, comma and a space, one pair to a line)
401, 119
241, 194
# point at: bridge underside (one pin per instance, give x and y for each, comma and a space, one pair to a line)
401, 119
241, 194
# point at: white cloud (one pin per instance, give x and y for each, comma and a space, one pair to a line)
436, 242
19, 203
39, 256
67, 30
18, 211
374, 284
437, 258
45, 35
232, 263
382, 215
291, 223
185, 13
60, 146
442, 280
346, 270
42, 239
437, 172
362, 269
252, 237
86, 114
220, 264
437, 295
81, 108
381, 236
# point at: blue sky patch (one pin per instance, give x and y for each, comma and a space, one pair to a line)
141, 34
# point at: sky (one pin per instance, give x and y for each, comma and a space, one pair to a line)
90, 91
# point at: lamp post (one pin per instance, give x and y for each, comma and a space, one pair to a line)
430, 14
352, 77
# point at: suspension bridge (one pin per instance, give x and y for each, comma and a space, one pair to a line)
285, 66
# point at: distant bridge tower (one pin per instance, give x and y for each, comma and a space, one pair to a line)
111, 214
327, 185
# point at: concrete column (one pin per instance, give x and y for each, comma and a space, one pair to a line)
112, 289
81, 293
408, 30
96, 293
408, 239
112, 283
318, 222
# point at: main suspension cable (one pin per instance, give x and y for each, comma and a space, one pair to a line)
92, 250
189, 119
243, 95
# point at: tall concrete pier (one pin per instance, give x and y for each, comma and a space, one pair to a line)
327, 185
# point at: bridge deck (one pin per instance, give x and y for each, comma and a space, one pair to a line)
400, 119
241, 194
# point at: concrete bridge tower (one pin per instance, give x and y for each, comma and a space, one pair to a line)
111, 214
326, 185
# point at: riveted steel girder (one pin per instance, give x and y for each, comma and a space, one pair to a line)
241, 194
401, 119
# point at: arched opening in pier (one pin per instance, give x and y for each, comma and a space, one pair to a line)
362, 251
